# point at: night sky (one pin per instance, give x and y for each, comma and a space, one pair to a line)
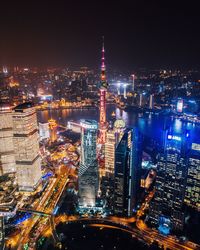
68, 33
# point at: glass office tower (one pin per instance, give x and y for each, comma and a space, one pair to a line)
192, 193
128, 156
88, 171
168, 201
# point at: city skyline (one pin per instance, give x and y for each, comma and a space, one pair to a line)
107, 158
137, 34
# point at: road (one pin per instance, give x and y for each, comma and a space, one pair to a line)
141, 231
47, 206
166, 241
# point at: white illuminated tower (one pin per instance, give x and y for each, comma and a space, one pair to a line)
140, 101
125, 90
5, 70
118, 87
133, 83
26, 143
88, 171
151, 101
180, 106
44, 131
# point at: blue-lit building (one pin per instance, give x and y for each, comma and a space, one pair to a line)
168, 201
128, 157
88, 177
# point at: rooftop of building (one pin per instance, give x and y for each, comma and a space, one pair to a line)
23, 106
86, 123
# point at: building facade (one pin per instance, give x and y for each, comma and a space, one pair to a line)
44, 131
168, 201
110, 153
26, 143
88, 171
151, 101
7, 155
128, 156
2, 233
53, 130
192, 192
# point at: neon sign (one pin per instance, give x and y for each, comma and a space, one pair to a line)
174, 137
196, 146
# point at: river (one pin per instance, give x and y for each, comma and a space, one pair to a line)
148, 124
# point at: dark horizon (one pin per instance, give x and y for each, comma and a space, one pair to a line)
66, 33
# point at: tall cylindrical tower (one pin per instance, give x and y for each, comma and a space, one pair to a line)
103, 89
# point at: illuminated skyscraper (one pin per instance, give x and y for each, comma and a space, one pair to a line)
7, 155
192, 193
103, 89
133, 83
44, 131
88, 170
110, 153
128, 156
26, 143
53, 130
151, 101
179, 107
119, 128
167, 204
140, 100
113, 136
5, 70
125, 94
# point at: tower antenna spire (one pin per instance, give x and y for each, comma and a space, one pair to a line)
103, 66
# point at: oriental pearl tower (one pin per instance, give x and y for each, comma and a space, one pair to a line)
103, 89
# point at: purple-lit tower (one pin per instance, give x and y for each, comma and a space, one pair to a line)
103, 89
